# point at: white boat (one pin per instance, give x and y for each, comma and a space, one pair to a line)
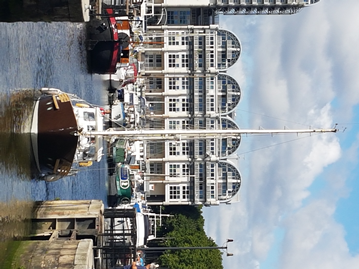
145, 223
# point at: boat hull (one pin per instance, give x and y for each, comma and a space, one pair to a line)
104, 49
108, 42
52, 133
56, 114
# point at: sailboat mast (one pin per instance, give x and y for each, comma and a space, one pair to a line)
153, 134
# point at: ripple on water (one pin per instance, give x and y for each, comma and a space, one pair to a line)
53, 57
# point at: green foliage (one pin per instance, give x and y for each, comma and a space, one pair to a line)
185, 229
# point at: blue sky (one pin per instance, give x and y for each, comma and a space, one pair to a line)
299, 198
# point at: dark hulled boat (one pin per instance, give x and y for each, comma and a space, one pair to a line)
108, 41
58, 146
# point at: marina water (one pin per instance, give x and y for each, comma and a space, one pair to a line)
35, 55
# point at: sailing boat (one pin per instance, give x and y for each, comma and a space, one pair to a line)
67, 133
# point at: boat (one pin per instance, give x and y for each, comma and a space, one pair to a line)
125, 161
67, 133
144, 221
124, 184
119, 151
58, 149
108, 38
129, 184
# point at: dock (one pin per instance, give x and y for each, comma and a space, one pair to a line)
77, 234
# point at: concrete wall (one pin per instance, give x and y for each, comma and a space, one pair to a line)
85, 217
64, 254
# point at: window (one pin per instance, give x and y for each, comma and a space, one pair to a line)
155, 83
212, 170
212, 192
172, 105
179, 148
174, 124
210, 148
179, 192
89, 116
156, 148
178, 38
185, 148
210, 103
175, 170
185, 169
201, 191
172, 60
200, 148
173, 84
200, 41
185, 61
156, 168
153, 60
200, 172
174, 149
172, 40
210, 124
178, 104
185, 124
200, 60
178, 83
185, 192
175, 193
185, 83
178, 124
185, 105
222, 188
184, 40
178, 60
179, 17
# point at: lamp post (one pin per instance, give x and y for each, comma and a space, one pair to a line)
224, 247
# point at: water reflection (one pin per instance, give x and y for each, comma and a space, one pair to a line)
15, 141
15, 219
14, 224
16, 154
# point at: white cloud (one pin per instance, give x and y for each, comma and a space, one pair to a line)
298, 66
314, 240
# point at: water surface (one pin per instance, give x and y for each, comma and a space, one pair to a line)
35, 55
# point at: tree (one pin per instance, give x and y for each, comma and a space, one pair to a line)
185, 229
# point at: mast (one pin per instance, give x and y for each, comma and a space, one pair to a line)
190, 134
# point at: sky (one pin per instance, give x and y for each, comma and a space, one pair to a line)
299, 193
